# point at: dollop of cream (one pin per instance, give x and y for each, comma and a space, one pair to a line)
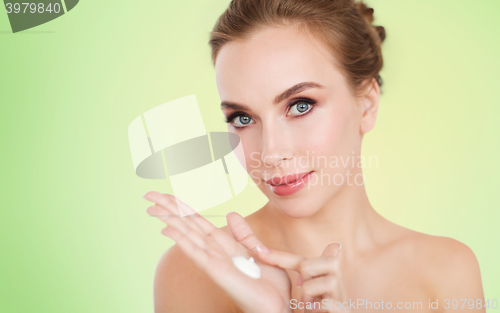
247, 266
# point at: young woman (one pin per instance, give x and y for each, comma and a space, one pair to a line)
299, 83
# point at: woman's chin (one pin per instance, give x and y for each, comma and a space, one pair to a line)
296, 210
299, 205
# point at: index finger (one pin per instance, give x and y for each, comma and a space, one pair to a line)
241, 231
282, 259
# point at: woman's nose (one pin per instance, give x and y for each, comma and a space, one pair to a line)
276, 147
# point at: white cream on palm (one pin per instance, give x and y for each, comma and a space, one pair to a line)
247, 266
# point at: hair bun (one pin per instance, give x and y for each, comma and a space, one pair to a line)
367, 13
381, 32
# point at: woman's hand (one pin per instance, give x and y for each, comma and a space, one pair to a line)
319, 278
211, 249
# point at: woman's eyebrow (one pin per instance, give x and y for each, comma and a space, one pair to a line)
296, 89
234, 106
284, 95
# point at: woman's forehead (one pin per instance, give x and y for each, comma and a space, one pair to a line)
272, 59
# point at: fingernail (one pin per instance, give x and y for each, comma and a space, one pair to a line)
262, 249
228, 213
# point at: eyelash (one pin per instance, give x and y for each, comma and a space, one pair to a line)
311, 102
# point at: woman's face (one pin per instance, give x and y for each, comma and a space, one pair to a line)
294, 113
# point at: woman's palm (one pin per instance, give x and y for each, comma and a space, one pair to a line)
212, 250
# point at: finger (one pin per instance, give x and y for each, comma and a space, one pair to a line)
282, 259
163, 214
198, 236
328, 305
201, 221
323, 286
323, 307
217, 238
332, 249
224, 240
180, 224
228, 243
223, 273
299, 281
325, 265
171, 204
174, 205
242, 232
197, 254
313, 305
317, 306
220, 237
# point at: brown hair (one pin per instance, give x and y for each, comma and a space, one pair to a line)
344, 25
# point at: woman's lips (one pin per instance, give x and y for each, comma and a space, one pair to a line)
289, 184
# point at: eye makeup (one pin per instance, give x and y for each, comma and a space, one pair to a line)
297, 101
292, 102
232, 116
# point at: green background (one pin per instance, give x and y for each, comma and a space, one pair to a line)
74, 233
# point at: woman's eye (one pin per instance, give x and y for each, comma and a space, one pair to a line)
242, 121
299, 108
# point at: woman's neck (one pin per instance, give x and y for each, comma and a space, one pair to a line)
348, 218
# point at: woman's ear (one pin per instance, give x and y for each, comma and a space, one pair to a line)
369, 103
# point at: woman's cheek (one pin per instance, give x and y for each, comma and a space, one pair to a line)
330, 144
323, 135
253, 160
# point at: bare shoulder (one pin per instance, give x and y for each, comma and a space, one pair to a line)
454, 269
449, 267
180, 286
